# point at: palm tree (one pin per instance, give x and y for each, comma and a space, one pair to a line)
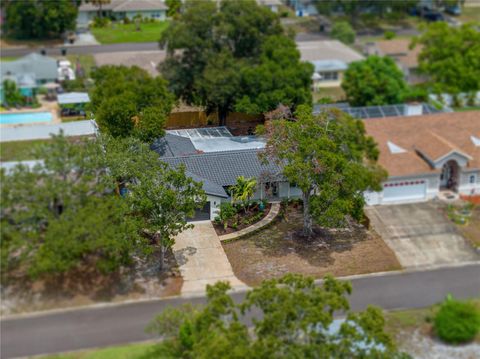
243, 190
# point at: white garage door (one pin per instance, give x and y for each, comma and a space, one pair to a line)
404, 191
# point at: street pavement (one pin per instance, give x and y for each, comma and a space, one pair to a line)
118, 324
98, 49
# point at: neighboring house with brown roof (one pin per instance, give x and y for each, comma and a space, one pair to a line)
121, 9
399, 50
426, 154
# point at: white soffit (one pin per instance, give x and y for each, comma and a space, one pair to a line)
395, 148
475, 140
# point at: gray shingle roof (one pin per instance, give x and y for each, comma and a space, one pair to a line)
208, 186
125, 5
223, 168
43, 67
173, 145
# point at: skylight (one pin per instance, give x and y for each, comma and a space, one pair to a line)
395, 148
475, 140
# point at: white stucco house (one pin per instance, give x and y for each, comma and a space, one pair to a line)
215, 158
121, 9
330, 59
427, 154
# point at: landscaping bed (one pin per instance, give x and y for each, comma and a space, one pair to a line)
242, 219
279, 249
86, 286
413, 332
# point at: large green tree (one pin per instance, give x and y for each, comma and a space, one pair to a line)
163, 197
40, 19
451, 57
66, 212
293, 318
127, 101
374, 81
215, 55
330, 158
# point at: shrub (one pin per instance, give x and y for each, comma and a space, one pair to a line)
342, 31
457, 322
126, 20
388, 35
101, 22
227, 212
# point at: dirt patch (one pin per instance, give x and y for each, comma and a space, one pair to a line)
471, 229
243, 220
278, 250
83, 287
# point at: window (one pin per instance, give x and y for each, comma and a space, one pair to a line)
328, 76
472, 179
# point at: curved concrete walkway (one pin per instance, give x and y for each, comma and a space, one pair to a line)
202, 260
274, 210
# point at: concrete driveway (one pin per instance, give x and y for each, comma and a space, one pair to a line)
420, 235
201, 259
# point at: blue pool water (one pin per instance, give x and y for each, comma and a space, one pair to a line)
26, 117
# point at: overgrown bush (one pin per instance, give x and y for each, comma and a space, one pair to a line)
457, 322
342, 31
226, 213
388, 35
101, 22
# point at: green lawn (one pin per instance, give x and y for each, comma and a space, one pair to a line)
131, 351
118, 33
19, 150
462, 109
470, 14
8, 58
86, 61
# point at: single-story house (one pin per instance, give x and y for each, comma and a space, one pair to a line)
219, 168
28, 73
427, 154
41, 68
330, 59
405, 57
121, 9
273, 5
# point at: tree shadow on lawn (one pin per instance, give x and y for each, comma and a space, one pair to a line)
285, 237
87, 285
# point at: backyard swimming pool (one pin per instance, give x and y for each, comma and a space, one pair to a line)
25, 117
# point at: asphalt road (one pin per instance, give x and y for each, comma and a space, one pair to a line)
111, 325
97, 49
82, 50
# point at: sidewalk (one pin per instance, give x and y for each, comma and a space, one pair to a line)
201, 258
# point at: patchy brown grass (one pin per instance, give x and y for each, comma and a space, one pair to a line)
279, 249
471, 230
87, 286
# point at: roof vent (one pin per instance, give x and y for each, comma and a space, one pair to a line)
394, 148
475, 140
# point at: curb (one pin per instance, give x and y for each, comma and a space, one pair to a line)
233, 290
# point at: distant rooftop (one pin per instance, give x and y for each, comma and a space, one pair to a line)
327, 50
73, 97
381, 111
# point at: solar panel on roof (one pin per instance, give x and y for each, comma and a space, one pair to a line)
375, 111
